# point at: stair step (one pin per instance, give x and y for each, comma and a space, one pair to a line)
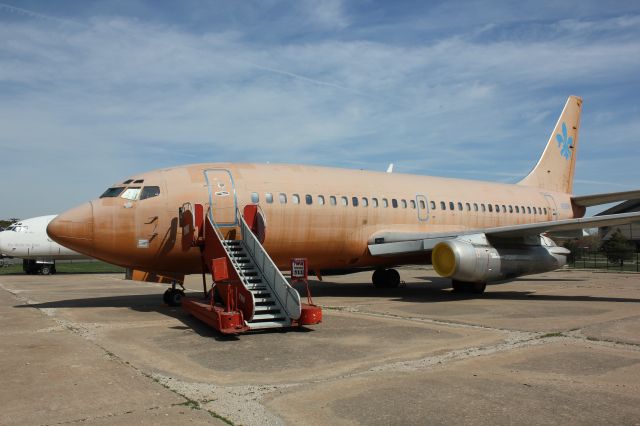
263, 300
270, 311
260, 317
269, 324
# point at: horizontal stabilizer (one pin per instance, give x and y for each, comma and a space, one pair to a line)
609, 197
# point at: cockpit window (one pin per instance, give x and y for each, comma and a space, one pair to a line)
149, 192
131, 193
128, 181
112, 192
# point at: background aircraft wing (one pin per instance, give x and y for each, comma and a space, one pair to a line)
610, 197
388, 243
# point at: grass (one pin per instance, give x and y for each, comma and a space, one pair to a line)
92, 267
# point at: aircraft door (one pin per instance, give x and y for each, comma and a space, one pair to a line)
422, 207
553, 207
222, 196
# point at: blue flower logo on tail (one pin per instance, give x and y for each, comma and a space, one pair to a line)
564, 143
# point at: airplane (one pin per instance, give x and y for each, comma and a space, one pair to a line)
28, 240
473, 232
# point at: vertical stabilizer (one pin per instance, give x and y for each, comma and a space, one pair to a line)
555, 169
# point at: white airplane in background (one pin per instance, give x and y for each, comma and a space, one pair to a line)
28, 240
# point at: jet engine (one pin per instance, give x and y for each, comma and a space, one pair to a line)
475, 260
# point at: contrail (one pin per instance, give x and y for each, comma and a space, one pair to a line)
32, 14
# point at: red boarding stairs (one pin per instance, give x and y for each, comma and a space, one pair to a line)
250, 291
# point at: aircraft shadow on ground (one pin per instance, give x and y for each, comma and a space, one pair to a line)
430, 290
146, 303
438, 290
139, 303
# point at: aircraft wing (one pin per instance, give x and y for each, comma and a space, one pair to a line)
610, 197
389, 243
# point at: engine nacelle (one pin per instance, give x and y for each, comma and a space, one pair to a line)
471, 261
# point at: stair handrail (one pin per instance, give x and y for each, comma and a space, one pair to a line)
287, 296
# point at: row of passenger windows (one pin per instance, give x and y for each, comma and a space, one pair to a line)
395, 203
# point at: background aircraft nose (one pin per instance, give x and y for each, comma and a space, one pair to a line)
74, 229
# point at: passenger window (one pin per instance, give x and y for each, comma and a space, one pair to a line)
321, 200
308, 199
354, 201
394, 203
283, 198
451, 205
510, 209
423, 206
534, 211
432, 204
468, 207
539, 210
483, 208
412, 203
475, 207
443, 206
528, 209
497, 208
374, 202
365, 201
344, 201
255, 198
332, 200
490, 207
295, 199
545, 210
112, 192
269, 197
149, 192
517, 209
459, 206
522, 208
385, 203
504, 208
403, 203
131, 193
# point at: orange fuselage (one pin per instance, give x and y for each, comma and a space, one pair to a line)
145, 234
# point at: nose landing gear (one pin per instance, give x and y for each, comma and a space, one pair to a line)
385, 278
173, 296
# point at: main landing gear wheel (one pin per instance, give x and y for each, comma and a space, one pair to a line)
385, 278
173, 297
464, 287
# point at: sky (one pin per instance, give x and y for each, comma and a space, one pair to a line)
93, 92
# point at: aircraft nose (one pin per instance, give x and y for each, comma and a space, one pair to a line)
74, 229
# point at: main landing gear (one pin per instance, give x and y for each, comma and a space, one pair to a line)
173, 296
385, 278
464, 287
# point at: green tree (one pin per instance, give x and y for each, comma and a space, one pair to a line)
6, 222
618, 248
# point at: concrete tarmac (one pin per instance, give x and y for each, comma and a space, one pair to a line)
555, 348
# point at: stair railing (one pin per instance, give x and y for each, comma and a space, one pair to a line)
286, 295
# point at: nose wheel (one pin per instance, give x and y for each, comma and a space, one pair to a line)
173, 296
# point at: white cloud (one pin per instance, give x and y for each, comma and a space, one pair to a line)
120, 95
